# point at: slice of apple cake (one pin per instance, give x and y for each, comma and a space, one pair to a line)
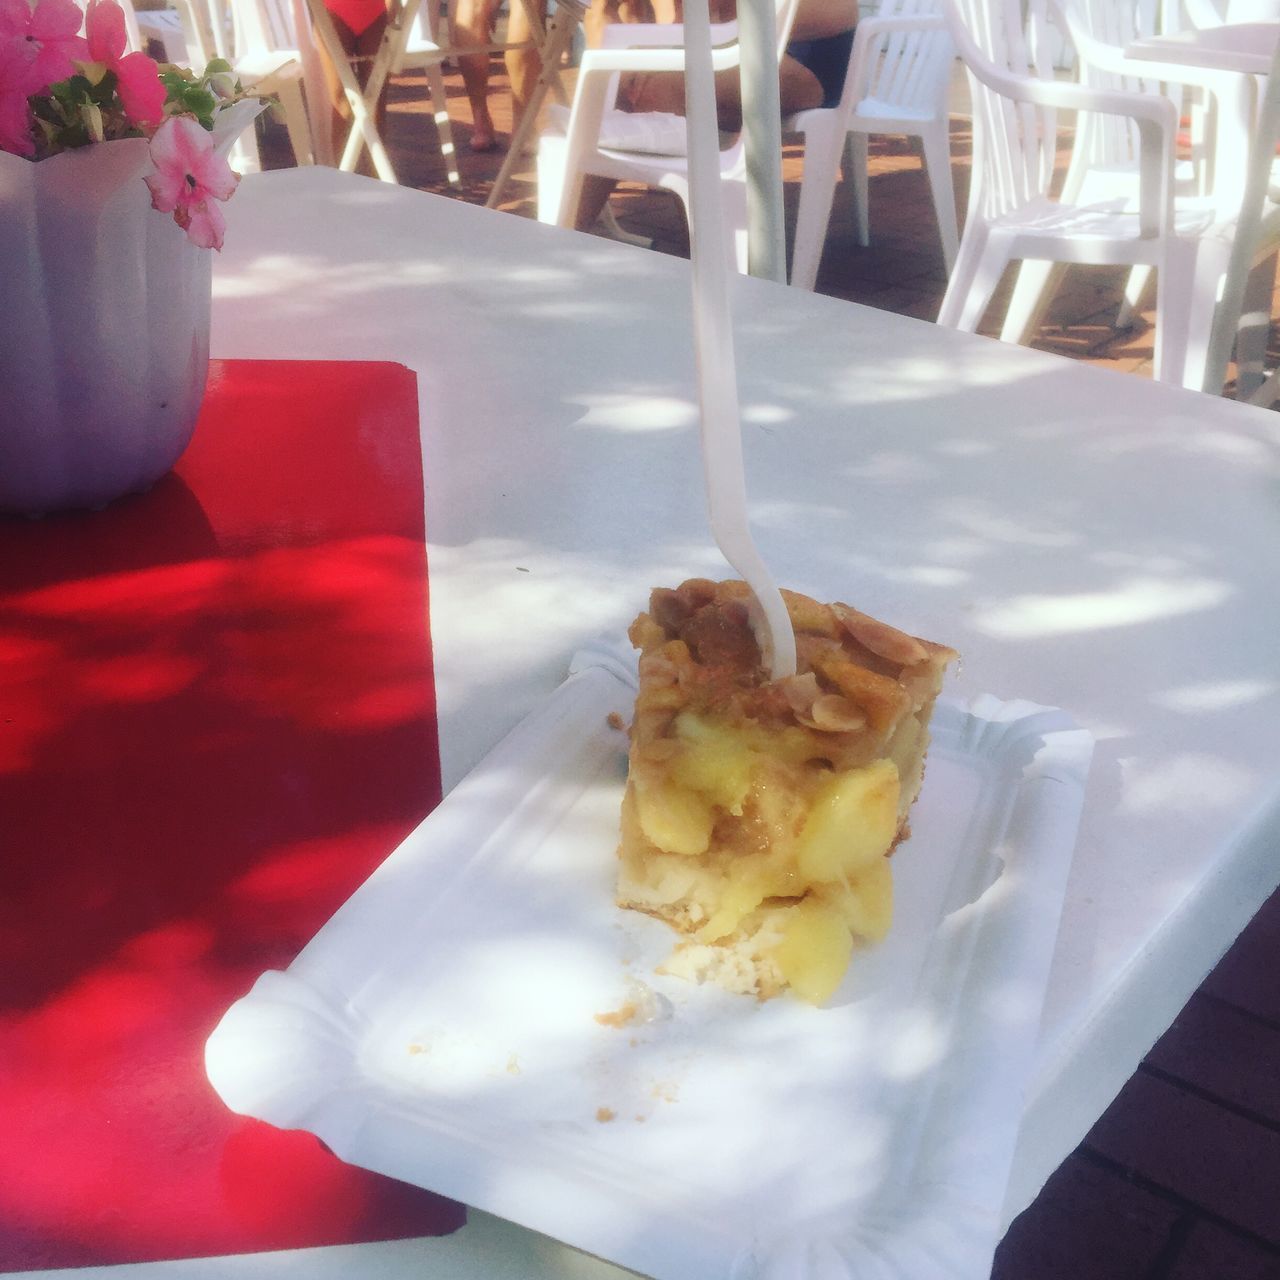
758, 814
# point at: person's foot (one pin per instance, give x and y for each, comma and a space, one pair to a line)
483, 137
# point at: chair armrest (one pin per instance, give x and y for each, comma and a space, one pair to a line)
609, 61
1155, 116
629, 35
1112, 58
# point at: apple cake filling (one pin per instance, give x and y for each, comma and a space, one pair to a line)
759, 814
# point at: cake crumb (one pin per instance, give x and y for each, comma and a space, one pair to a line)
615, 721
619, 1017
513, 1065
605, 1114
417, 1048
642, 1004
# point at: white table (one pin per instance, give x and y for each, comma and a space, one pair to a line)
1242, 46
1087, 539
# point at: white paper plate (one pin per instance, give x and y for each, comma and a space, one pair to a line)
441, 1027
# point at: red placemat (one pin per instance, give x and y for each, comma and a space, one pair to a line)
217, 716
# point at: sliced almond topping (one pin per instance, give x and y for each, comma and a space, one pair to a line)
833, 713
882, 699
808, 615
801, 692
883, 640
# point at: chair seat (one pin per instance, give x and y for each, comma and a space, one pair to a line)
886, 112
1095, 223
642, 133
269, 62
896, 82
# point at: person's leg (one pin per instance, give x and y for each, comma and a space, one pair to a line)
798, 90
357, 46
596, 190
471, 27
523, 65
367, 44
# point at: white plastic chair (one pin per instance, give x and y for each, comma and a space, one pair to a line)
1104, 164
422, 48
1243, 317
564, 160
897, 83
259, 38
1012, 215
164, 27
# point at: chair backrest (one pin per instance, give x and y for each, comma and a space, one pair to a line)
1101, 30
262, 26
1005, 43
723, 34
908, 69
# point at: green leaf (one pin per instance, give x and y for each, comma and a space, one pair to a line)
104, 92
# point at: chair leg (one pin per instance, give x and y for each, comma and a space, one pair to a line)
295, 120
822, 146
246, 157
1255, 329
552, 153
444, 128
1135, 290
733, 203
612, 228
1036, 284
855, 155
1181, 282
979, 266
936, 145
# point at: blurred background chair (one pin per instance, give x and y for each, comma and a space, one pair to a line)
1242, 322
420, 47
642, 147
260, 39
1104, 165
1014, 216
160, 32
898, 82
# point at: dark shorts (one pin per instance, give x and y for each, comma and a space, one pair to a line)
828, 59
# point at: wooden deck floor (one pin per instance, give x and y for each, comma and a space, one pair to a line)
1180, 1179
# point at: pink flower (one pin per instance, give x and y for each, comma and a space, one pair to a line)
105, 31
15, 115
43, 39
137, 76
141, 93
190, 177
15, 125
